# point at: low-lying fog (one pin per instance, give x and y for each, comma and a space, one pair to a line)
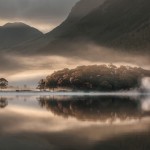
20, 70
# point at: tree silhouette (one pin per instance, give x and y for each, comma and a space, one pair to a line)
97, 78
51, 84
3, 83
96, 108
3, 102
41, 85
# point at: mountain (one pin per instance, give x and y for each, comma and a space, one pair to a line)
46, 42
120, 24
80, 10
117, 24
12, 34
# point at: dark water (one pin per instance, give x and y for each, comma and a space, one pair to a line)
74, 122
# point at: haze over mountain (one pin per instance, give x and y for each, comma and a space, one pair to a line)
122, 24
119, 24
12, 34
80, 10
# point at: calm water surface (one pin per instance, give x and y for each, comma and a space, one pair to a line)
57, 122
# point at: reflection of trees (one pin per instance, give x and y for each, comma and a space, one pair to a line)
94, 108
3, 102
3, 83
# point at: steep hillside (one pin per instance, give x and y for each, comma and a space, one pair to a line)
80, 10
117, 24
112, 23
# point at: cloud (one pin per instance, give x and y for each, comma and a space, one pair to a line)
42, 12
21, 70
7, 64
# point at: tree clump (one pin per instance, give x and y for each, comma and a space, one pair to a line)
41, 85
97, 78
3, 83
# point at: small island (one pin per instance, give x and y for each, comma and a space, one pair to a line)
95, 78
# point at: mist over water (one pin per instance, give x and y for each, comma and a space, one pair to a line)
30, 68
146, 84
43, 122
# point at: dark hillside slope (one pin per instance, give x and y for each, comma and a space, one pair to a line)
12, 34
121, 24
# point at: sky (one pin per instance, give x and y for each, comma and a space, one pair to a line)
42, 14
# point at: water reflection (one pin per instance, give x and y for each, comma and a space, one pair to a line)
3, 102
105, 109
74, 123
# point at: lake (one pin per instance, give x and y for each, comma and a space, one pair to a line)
74, 121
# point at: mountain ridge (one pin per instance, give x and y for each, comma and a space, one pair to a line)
119, 24
12, 34
113, 24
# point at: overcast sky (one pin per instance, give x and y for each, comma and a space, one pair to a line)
42, 14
